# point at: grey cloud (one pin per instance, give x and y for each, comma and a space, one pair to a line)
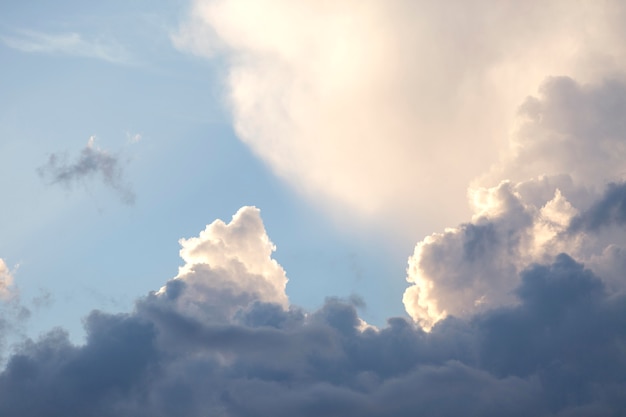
558, 352
574, 128
610, 209
91, 162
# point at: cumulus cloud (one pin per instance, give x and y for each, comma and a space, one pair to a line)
227, 267
6, 280
565, 186
387, 110
92, 161
13, 313
557, 352
567, 123
66, 44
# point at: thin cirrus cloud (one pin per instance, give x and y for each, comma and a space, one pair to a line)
557, 351
92, 162
71, 43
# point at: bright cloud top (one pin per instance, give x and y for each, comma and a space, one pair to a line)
229, 266
390, 108
6, 280
570, 143
558, 351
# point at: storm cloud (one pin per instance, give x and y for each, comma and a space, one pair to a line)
557, 351
92, 162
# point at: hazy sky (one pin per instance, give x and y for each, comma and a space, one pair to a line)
309, 208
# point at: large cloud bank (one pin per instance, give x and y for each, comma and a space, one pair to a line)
564, 190
395, 108
386, 110
221, 340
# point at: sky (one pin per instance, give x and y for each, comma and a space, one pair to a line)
233, 208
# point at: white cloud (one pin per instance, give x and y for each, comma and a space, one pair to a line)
6, 281
476, 266
229, 266
571, 140
67, 44
391, 108
133, 137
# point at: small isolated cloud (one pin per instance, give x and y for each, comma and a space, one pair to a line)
6, 280
133, 137
92, 162
67, 44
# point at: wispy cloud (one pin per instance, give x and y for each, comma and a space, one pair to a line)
91, 162
68, 44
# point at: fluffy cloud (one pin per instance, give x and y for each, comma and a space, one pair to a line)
569, 143
92, 161
6, 280
557, 352
387, 110
228, 267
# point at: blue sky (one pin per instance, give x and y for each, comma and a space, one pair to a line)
444, 185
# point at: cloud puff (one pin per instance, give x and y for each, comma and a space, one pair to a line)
476, 265
91, 162
6, 280
557, 352
67, 44
387, 110
568, 144
228, 267
567, 123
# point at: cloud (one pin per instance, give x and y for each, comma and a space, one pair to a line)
91, 162
66, 44
384, 110
228, 267
567, 123
609, 210
13, 313
133, 137
476, 265
6, 280
558, 351
569, 143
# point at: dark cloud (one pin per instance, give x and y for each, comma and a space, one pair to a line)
559, 352
92, 162
610, 209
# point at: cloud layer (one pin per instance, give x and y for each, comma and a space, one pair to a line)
92, 161
216, 341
